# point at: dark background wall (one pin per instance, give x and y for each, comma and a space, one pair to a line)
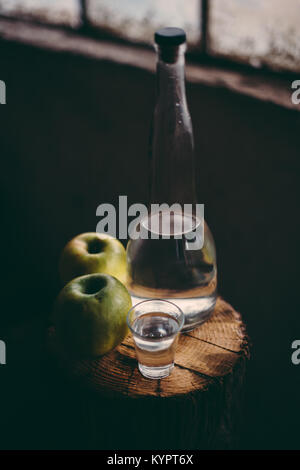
74, 134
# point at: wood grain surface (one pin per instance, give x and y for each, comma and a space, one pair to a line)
196, 407
202, 355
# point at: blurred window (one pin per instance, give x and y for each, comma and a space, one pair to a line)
256, 32
137, 19
259, 32
60, 12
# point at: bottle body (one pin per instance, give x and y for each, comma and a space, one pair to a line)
166, 269
161, 263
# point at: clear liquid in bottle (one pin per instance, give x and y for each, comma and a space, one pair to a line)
165, 268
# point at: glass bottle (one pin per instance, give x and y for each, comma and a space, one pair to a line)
163, 265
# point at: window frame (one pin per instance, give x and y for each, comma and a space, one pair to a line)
197, 53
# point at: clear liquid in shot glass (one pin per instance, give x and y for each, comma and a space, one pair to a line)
155, 339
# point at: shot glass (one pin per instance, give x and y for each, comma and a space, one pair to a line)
155, 325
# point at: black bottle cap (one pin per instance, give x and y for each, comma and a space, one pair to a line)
170, 36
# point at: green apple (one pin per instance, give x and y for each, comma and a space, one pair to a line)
90, 315
93, 253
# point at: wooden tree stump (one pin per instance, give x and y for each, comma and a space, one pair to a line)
196, 407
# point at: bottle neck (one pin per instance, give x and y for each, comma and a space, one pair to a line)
172, 144
170, 75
